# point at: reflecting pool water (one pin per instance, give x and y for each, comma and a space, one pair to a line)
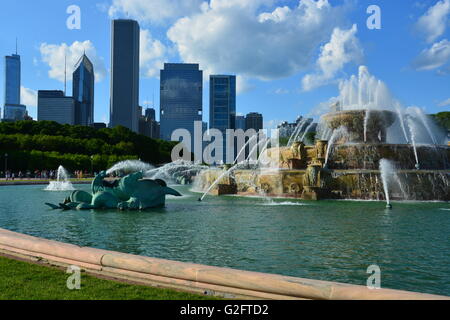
328, 240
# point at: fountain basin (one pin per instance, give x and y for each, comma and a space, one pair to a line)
362, 125
368, 155
422, 185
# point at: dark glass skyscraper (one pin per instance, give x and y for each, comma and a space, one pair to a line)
240, 122
83, 91
12, 79
254, 121
181, 98
125, 74
222, 105
222, 102
150, 113
13, 110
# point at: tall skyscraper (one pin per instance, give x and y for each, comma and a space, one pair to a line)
181, 102
222, 105
13, 110
83, 91
254, 121
150, 113
222, 102
125, 74
55, 106
240, 122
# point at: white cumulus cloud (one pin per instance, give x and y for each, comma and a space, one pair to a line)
152, 54
434, 22
28, 97
238, 36
436, 56
54, 55
445, 103
342, 48
154, 11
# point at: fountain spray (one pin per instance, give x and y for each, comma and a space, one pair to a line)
412, 130
62, 182
386, 170
340, 132
233, 167
297, 131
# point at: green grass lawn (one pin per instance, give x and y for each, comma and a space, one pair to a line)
26, 281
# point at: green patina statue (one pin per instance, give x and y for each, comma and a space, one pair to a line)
131, 192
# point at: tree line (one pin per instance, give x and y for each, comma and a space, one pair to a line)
43, 145
443, 119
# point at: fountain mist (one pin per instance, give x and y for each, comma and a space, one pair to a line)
128, 166
180, 171
62, 182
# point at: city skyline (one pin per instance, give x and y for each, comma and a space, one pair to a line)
416, 76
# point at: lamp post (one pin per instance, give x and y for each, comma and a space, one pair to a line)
6, 162
92, 165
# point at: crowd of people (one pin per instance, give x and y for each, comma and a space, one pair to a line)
39, 174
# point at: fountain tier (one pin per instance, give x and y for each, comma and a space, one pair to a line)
346, 167
362, 125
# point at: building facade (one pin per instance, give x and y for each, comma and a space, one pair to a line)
222, 102
240, 122
15, 112
254, 121
149, 127
181, 100
12, 109
83, 91
222, 106
287, 130
12, 79
55, 106
99, 125
150, 113
125, 74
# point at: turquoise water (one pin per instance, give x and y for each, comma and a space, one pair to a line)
330, 240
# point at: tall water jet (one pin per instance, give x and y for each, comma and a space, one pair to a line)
62, 182
264, 148
244, 147
224, 174
424, 120
306, 131
227, 172
255, 148
413, 131
337, 134
386, 170
401, 120
366, 121
297, 131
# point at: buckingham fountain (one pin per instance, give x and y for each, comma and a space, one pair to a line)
368, 148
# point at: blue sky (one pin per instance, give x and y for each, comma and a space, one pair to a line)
273, 47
